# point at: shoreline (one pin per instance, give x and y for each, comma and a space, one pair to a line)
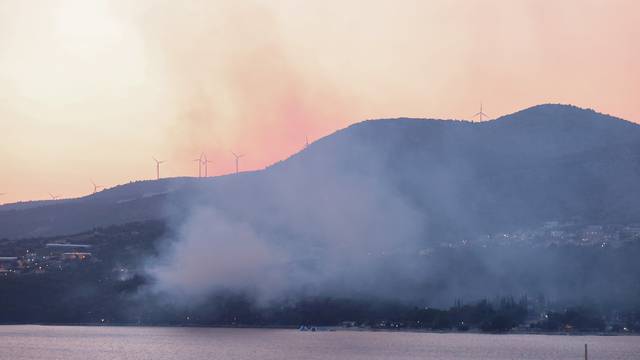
322, 329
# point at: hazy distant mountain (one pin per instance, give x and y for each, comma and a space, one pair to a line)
548, 162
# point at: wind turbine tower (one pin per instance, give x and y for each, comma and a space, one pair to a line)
237, 160
480, 113
95, 187
199, 160
158, 162
206, 163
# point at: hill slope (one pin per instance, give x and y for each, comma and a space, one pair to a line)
548, 162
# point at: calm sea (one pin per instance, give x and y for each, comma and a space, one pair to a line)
79, 342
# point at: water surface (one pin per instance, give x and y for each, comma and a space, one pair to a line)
86, 342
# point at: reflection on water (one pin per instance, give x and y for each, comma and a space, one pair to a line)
80, 342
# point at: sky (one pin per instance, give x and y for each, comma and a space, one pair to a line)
92, 90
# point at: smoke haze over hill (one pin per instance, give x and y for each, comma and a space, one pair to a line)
364, 213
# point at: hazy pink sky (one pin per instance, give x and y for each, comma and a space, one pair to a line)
94, 89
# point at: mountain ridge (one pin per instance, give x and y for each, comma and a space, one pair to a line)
475, 164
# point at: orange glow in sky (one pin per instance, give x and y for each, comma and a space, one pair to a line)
95, 89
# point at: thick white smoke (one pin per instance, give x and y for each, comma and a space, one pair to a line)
214, 253
288, 231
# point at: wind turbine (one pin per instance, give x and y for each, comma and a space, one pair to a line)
237, 159
480, 113
199, 160
206, 163
306, 141
158, 162
54, 197
95, 187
